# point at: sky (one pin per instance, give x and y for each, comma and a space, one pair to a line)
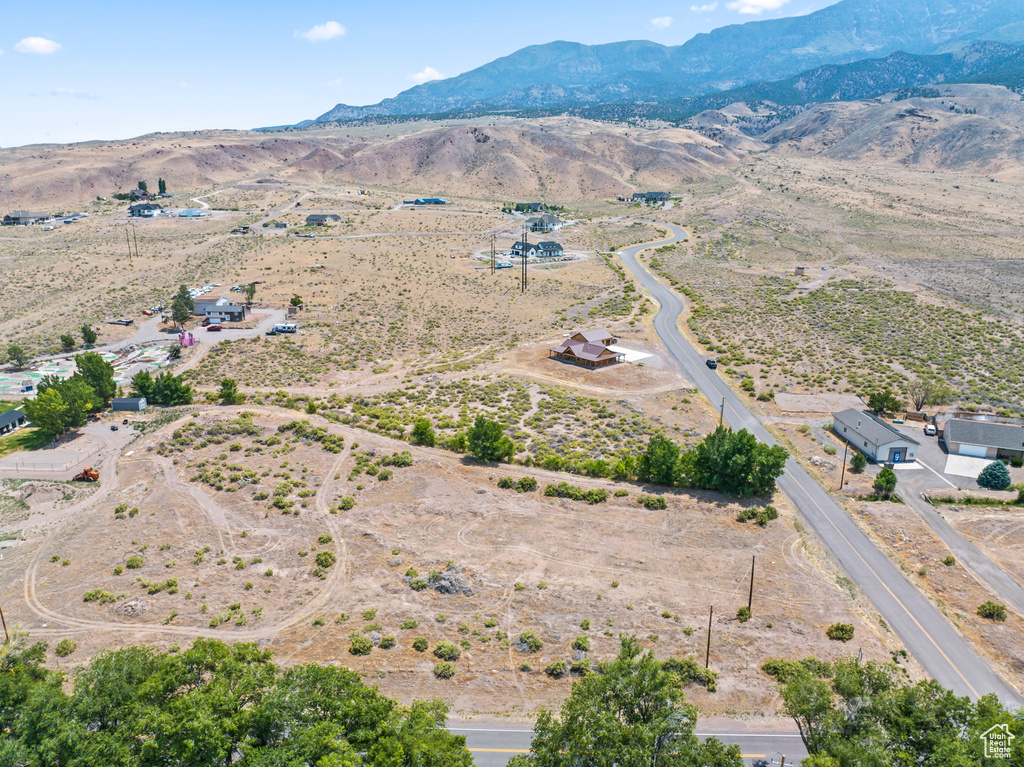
93, 70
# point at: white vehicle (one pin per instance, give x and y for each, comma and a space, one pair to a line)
283, 327
929, 430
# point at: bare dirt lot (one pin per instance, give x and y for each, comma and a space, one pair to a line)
227, 563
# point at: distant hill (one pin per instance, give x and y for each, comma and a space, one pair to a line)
571, 74
970, 128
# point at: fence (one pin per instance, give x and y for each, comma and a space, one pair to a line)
19, 465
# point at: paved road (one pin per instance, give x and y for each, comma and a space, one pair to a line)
925, 632
494, 746
912, 482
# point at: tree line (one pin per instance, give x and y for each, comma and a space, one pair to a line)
210, 705
62, 404
732, 462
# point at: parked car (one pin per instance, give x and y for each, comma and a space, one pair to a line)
712, 364
207, 322
929, 430
147, 312
214, 327
113, 427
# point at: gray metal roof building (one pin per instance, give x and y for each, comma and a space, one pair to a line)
874, 437
984, 439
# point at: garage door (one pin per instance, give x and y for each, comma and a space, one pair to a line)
978, 451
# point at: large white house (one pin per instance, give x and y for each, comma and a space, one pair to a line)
878, 440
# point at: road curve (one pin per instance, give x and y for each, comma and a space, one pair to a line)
925, 632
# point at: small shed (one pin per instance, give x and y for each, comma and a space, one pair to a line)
11, 420
878, 440
800, 270
128, 403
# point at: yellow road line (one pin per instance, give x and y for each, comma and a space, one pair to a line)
886, 587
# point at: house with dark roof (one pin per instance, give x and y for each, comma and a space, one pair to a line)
320, 219
595, 336
541, 249
545, 223
220, 309
128, 403
11, 420
984, 439
878, 440
651, 197
585, 354
24, 218
144, 210
138, 194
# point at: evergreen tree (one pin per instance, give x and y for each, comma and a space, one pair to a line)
98, 374
67, 341
487, 441
18, 356
228, 393
161, 186
658, 463
423, 433
88, 335
995, 476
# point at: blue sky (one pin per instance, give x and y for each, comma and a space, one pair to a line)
101, 70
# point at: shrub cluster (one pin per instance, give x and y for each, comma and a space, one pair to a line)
787, 670
565, 490
763, 516
690, 671
652, 502
992, 610
840, 632
332, 443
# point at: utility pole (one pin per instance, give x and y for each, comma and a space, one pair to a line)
707, 656
750, 599
493, 252
7, 637
129, 240
526, 247
135, 237
721, 413
842, 474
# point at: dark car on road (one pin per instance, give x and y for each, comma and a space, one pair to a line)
712, 364
213, 328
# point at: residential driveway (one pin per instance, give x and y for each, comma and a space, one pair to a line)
932, 456
966, 465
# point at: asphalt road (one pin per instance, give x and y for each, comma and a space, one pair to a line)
494, 746
925, 632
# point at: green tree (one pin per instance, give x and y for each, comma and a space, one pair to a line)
733, 462
170, 390
98, 374
423, 433
180, 311
658, 463
633, 714
249, 290
67, 341
17, 355
143, 186
47, 411
161, 186
80, 399
186, 298
884, 401
995, 476
296, 300
228, 393
88, 335
858, 462
869, 714
885, 482
142, 385
487, 441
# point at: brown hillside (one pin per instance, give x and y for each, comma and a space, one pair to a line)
972, 128
557, 158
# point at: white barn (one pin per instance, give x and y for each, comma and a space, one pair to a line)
878, 440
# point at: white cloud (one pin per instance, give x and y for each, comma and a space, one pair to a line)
428, 74
37, 45
662, 22
322, 32
73, 93
755, 7
337, 82
706, 8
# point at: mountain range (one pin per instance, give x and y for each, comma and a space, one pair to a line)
571, 74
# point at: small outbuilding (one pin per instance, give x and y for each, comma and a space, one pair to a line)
878, 440
11, 420
984, 439
128, 403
